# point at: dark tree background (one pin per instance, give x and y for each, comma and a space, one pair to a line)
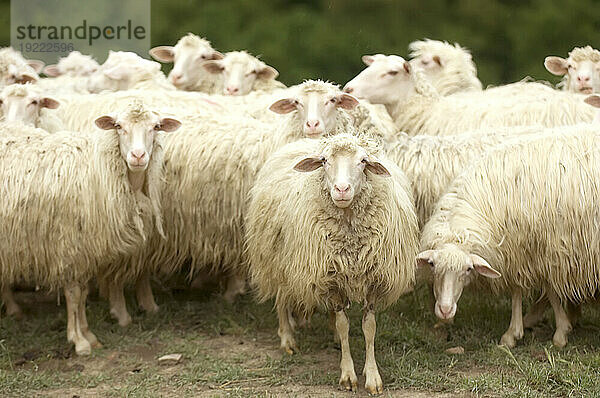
326, 38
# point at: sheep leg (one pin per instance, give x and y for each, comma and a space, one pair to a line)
103, 290
336, 336
12, 308
536, 312
348, 378
118, 307
285, 331
373, 383
563, 326
89, 336
573, 312
236, 284
74, 334
515, 330
143, 291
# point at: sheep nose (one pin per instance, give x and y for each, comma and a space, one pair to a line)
583, 79
138, 154
445, 310
342, 188
348, 90
176, 77
232, 90
312, 124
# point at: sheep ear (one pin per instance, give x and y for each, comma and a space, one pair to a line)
27, 78
377, 168
309, 164
425, 259
556, 65
406, 67
105, 122
368, 59
266, 73
483, 268
51, 70
593, 100
117, 72
283, 106
213, 66
437, 60
49, 103
346, 101
162, 53
216, 55
36, 65
168, 124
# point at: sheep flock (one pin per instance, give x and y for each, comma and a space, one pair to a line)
314, 196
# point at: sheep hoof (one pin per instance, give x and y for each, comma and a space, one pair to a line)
508, 340
151, 309
83, 347
123, 319
560, 339
348, 381
373, 383
92, 339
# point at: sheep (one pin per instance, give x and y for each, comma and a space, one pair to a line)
449, 67
524, 221
432, 162
324, 239
27, 104
76, 201
75, 64
242, 73
417, 108
187, 57
581, 70
124, 70
16, 69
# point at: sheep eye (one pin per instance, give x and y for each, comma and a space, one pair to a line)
157, 127
203, 56
430, 262
570, 66
393, 72
34, 102
469, 270
117, 126
364, 160
333, 100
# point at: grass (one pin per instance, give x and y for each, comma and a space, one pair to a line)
233, 351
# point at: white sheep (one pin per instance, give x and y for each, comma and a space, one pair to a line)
524, 216
449, 67
432, 162
76, 201
417, 108
75, 64
581, 70
327, 238
125, 70
242, 73
16, 69
187, 56
27, 104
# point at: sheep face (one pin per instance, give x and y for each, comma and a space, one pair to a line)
583, 76
21, 103
75, 64
452, 269
316, 109
344, 172
187, 56
137, 130
19, 74
120, 71
240, 70
383, 80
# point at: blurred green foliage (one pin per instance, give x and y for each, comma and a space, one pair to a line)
325, 38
